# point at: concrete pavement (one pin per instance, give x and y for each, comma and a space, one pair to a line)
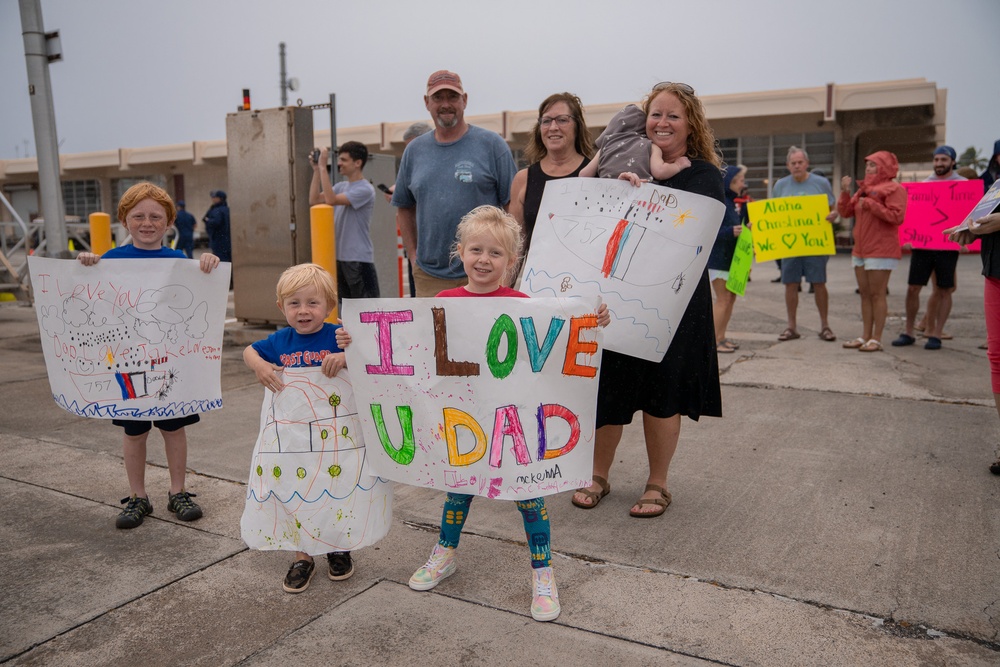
841, 513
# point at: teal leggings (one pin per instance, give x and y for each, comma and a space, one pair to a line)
536, 525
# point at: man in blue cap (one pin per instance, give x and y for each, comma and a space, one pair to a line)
940, 263
217, 225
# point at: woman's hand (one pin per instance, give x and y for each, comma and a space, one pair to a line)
208, 262
985, 225
88, 258
631, 178
845, 184
737, 230
343, 338
334, 363
963, 237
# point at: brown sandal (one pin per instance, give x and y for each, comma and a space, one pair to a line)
593, 496
663, 501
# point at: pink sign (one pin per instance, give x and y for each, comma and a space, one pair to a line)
934, 206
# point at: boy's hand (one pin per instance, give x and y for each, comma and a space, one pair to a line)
88, 258
343, 338
603, 315
334, 363
267, 375
208, 262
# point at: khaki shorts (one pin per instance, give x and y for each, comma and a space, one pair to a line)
429, 286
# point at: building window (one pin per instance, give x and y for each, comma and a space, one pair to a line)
120, 185
81, 198
764, 157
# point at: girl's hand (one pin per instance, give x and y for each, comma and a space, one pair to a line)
631, 178
334, 363
603, 315
208, 262
88, 258
343, 338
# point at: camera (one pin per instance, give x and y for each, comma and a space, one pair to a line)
314, 156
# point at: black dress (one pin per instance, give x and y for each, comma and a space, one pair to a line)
686, 380
533, 195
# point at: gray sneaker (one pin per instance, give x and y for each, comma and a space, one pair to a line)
135, 509
182, 505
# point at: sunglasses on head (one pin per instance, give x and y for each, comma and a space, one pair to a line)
683, 87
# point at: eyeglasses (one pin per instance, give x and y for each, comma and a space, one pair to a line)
561, 121
683, 87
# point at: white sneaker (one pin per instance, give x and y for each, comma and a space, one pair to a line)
439, 566
545, 603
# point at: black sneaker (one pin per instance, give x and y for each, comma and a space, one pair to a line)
182, 505
995, 467
299, 575
341, 566
135, 509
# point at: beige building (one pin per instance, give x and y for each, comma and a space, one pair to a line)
838, 124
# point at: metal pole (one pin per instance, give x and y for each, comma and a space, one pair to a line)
333, 135
284, 76
43, 117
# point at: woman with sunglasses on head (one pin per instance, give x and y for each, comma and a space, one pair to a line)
559, 147
686, 380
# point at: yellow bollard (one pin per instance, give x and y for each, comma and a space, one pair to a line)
100, 233
324, 248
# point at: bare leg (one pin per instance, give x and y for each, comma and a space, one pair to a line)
722, 309
866, 303
877, 282
822, 304
605, 445
135, 463
792, 304
939, 315
175, 445
301, 555
661, 442
913, 306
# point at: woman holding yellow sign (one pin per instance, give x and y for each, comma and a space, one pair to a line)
878, 209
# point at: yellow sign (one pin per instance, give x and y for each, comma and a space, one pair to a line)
791, 227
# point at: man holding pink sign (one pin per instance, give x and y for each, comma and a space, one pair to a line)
933, 207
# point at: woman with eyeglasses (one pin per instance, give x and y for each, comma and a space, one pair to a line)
559, 147
686, 380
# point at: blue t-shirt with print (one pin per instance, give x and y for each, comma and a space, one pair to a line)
131, 252
287, 347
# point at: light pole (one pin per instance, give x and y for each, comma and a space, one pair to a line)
286, 83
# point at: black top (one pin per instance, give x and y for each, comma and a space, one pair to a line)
686, 380
533, 196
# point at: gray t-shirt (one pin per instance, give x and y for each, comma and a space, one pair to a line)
447, 180
624, 146
787, 186
351, 223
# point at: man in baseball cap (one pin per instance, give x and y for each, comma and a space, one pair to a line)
939, 263
443, 175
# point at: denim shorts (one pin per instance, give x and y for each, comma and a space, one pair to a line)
874, 263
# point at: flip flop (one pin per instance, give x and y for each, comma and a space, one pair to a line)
871, 346
593, 496
732, 343
724, 347
788, 334
854, 344
663, 501
827, 335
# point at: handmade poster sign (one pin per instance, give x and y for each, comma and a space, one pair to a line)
988, 204
932, 207
791, 227
642, 250
492, 397
131, 338
739, 270
311, 488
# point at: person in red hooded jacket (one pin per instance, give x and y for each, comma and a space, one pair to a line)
878, 208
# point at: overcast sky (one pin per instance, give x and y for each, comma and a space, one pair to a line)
145, 73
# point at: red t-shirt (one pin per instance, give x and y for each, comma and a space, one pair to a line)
502, 291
